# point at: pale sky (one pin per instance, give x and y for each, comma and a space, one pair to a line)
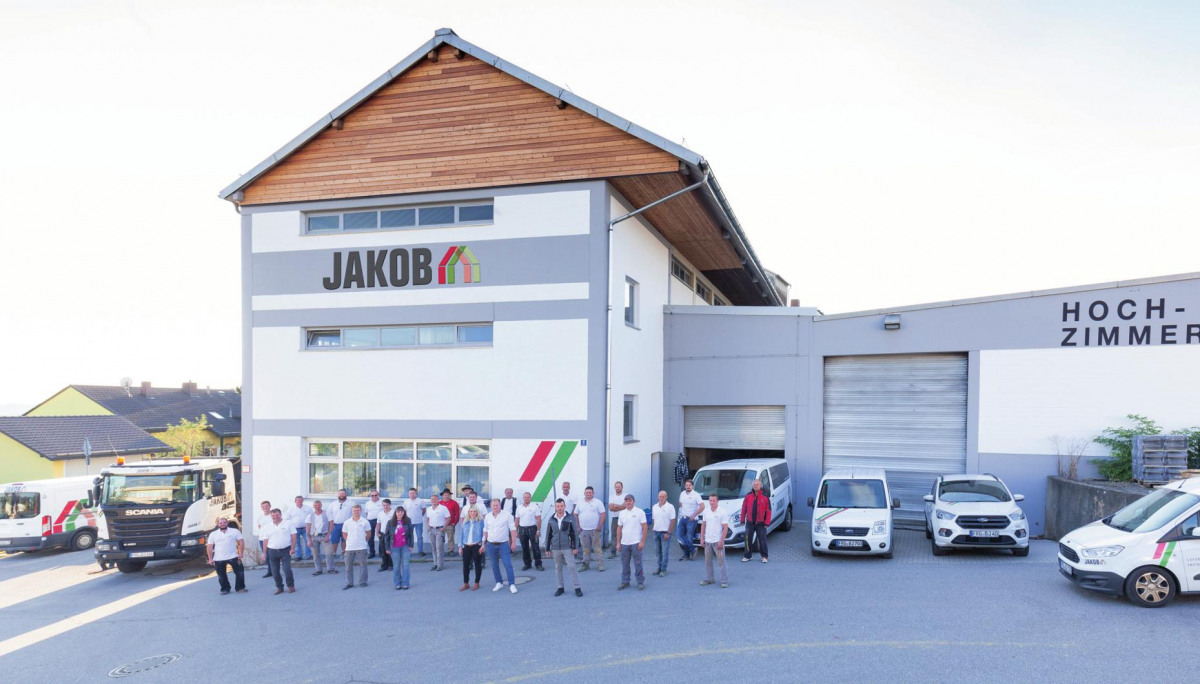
877, 153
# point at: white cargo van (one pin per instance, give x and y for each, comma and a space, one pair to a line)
852, 513
731, 481
44, 514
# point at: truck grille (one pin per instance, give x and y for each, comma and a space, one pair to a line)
849, 531
982, 522
1068, 553
149, 532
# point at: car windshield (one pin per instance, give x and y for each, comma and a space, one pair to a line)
726, 484
19, 505
149, 489
1152, 511
852, 494
975, 491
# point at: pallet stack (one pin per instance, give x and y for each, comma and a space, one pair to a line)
1159, 458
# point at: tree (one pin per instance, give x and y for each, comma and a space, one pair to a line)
189, 438
1119, 466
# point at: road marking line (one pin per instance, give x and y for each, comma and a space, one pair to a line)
780, 647
42, 582
49, 631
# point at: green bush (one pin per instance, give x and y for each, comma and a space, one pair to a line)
1118, 467
1193, 435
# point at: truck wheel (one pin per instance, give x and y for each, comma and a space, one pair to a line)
787, 520
937, 550
83, 539
1021, 553
1150, 587
131, 566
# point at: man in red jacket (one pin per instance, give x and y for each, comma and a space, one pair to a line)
454, 510
756, 516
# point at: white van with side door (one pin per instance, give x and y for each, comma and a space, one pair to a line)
731, 481
45, 514
852, 514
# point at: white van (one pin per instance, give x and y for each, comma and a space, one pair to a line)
731, 481
852, 513
44, 514
1149, 551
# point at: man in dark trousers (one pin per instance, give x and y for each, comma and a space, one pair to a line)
756, 515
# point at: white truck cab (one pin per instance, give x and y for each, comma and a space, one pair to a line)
852, 513
45, 514
732, 480
1149, 551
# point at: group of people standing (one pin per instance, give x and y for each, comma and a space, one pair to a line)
572, 536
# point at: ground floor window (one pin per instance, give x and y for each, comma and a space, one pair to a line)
393, 466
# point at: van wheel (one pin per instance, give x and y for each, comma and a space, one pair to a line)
937, 550
83, 539
1021, 553
886, 556
131, 566
814, 551
1150, 587
787, 520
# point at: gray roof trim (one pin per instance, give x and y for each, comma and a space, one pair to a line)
448, 37
1018, 295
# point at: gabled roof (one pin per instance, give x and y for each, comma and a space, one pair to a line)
161, 407
61, 437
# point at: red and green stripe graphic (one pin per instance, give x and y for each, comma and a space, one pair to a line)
68, 518
454, 256
1162, 554
831, 514
565, 449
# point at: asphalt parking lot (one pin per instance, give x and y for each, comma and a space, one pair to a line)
984, 616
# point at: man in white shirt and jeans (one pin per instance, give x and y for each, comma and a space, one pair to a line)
664, 524
280, 537
590, 514
354, 533
225, 547
297, 517
339, 513
415, 508
500, 539
713, 527
690, 504
371, 511
631, 540
259, 522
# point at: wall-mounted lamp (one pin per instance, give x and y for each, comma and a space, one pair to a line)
891, 322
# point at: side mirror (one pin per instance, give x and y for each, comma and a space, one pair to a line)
96, 492
928, 497
218, 487
1196, 531
810, 502
895, 503
1018, 497
218, 477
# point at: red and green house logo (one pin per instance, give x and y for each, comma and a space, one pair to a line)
456, 255
552, 473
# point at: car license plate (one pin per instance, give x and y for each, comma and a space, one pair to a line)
983, 533
849, 543
1065, 568
142, 554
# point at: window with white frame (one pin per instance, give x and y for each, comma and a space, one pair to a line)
682, 272
393, 466
399, 336
629, 418
703, 290
400, 217
631, 297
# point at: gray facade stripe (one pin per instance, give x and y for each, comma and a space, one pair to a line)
247, 447
556, 310
426, 429
415, 198
597, 261
524, 261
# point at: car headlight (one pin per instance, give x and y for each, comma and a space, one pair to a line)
1101, 551
191, 542
735, 518
880, 527
943, 515
104, 546
1019, 515
821, 527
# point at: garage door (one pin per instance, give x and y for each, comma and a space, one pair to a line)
905, 414
733, 427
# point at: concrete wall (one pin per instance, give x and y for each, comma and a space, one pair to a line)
1071, 505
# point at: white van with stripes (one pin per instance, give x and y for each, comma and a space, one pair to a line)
1148, 551
47, 514
852, 514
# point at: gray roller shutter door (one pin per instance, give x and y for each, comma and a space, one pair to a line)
906, 414
734, 427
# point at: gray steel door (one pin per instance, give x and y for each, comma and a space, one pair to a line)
733, 427
906, 414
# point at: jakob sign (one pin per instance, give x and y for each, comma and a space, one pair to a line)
401, 267
1126, 322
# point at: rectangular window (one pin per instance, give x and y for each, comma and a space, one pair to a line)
476, 476
629, 418
680, 271
323, 478
434, 451
401, 217
474, 334
432, 478
398, 337
324, 338
464, 335
436, 334
717, 301
360, 337
631, 297
393, 466
395, 479
703, 291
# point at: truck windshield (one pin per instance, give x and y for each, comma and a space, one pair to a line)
1152, 511
852, 494
726, 484
149, 489
974, 491
19, 505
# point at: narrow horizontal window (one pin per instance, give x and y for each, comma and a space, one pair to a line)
435, 216
402, 217
398, 337
398, 218
360, 337
401, 336
436, 334
360, 220
324, 224
324, 338
475, 212
474, 334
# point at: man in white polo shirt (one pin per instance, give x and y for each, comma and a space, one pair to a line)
259, 522
371, 511
590, 514
225, 547
339, 513
280, 536
354, 533
569, 499
414, 506
297, 517
664, 524
500, 539
689, 508
713, 528
631, 540
616, 504
437, 517
529, 524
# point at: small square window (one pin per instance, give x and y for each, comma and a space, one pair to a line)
398, 218
360, 220
436, 216
475, 212
324, 224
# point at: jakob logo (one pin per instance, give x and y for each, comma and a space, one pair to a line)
400, 267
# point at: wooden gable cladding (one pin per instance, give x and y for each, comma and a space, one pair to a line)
453, 124
684, 221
